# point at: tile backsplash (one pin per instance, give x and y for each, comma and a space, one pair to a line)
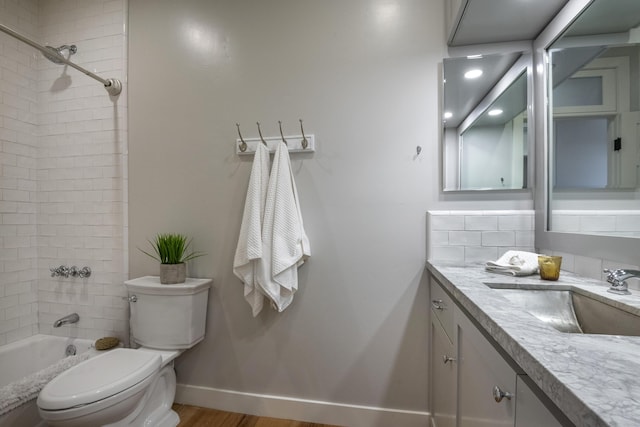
604, 222
592, 267
478, 236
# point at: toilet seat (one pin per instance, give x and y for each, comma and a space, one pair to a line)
118, 372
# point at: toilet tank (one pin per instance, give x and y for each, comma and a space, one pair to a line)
168, 317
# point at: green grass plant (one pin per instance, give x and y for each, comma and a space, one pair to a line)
171, 248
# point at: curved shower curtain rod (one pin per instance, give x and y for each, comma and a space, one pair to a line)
113, 86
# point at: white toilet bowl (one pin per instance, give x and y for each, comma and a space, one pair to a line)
123, 387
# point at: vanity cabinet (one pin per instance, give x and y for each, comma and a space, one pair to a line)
443, 369
443, 377
481, 373
472, 383
531, 411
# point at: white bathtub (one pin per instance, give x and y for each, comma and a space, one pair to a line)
25, 357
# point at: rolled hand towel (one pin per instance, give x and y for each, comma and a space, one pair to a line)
515, 263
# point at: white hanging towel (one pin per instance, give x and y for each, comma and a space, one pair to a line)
285, 243
249, 249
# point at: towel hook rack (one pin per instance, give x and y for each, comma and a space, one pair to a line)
297, 143
281, 134
243, 145
304, 141
260, 133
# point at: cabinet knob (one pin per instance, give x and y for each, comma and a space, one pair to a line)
446, 359
498, 394
437, 304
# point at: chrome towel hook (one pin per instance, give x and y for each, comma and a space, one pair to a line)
260, 133
281, 134
304, 141
243, 145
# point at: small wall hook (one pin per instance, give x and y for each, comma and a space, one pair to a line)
418, 150
243, 145
304, 141
281, 134
260, 133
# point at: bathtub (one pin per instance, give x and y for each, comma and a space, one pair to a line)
23, 358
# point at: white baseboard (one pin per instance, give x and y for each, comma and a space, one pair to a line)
315, 411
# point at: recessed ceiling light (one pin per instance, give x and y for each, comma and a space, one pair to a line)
474, 57
448, 114
495, 112
473, 74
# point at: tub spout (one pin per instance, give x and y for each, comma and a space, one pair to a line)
71, 318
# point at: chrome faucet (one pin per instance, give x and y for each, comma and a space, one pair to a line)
71, 318
618, 278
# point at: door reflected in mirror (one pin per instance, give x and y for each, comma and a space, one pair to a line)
485, 136
594, 122
594, 111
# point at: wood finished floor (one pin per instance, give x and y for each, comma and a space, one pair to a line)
194, 416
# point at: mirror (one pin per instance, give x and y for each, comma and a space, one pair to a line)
593, 91
485, 137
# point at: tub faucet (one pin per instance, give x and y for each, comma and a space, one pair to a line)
618, 278
71, 318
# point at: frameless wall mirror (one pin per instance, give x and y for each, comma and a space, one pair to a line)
485, 136
594, 122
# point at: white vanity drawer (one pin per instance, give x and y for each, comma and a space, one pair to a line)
442, 307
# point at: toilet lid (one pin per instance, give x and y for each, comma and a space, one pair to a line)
98, 378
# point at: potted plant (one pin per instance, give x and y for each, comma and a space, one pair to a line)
172, 251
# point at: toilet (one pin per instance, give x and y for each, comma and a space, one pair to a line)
133, 387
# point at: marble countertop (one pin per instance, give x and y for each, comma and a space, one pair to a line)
593, 379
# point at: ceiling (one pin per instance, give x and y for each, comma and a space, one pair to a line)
485, 22
606, 17
495, 21
499, 21
462, 95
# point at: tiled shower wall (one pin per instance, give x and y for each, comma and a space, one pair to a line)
78, 176
18, 162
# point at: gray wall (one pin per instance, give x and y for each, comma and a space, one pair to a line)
363, 76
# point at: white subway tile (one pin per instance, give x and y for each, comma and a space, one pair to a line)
437, 238
588, 267
525, 238
447, 253
601, 223
447, 222
516, 222
628, 222
480, 253
498, 238
465, 238
472, 222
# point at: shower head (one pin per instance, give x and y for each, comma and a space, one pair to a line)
56, 53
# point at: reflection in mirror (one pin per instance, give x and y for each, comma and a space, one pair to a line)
594, 131
493, 150
485, 123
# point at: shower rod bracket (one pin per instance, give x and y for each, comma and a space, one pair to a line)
113, 87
